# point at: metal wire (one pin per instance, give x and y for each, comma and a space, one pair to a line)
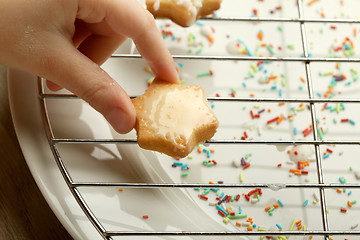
321, 186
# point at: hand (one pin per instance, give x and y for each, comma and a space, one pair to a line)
66, 41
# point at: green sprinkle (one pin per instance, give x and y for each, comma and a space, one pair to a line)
321, 136
334, 120
184, 174
226, 220
206, 191
199, 51
237, 216
208, 73
291, 46
353, 202
270, 49
353, 70
271, 209
280, 28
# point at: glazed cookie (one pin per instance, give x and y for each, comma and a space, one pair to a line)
173, 118
182, 12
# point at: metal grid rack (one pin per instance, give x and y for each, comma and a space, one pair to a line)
320, 185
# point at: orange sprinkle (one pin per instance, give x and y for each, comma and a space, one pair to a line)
211, 182
260, 36
279, 120
252, 95
302, 79
276, 205
299, 227
210, 38
288, 151
311, 2
349, 204
273, 77
281, 103
323, 14
263, 45
238, 224
301, 104
267, 208
121, 189
249, 228
227, 210
355, 32
338, 190
212, 150
199, 150
179, 39
297, 173
269, 110
310, 237
298, 222
244, 52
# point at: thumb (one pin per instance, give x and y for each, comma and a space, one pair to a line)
69, 68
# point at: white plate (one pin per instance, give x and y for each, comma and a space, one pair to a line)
182, 209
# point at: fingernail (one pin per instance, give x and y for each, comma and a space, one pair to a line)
122, 122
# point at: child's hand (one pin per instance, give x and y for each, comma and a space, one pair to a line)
66, 40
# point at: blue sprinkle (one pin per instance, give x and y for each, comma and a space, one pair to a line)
295, 131
244, 84
342, 180
349, 193
281, 204
199, 23
280, 92
240, 210
326, 156
212, 105
319, 94
261, 67
180, 65
279, 227
352, 122
343, 106
306, 203
273, 87
178, 163
221, 209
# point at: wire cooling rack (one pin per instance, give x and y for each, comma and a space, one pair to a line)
320, 186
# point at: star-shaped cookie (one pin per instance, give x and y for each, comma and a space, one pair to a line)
182, 12
173, 118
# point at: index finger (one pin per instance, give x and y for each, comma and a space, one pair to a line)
129, 18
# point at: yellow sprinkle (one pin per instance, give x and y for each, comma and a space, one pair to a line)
241, 178
226, 220
292, 225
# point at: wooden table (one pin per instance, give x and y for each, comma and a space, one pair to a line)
24, 213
